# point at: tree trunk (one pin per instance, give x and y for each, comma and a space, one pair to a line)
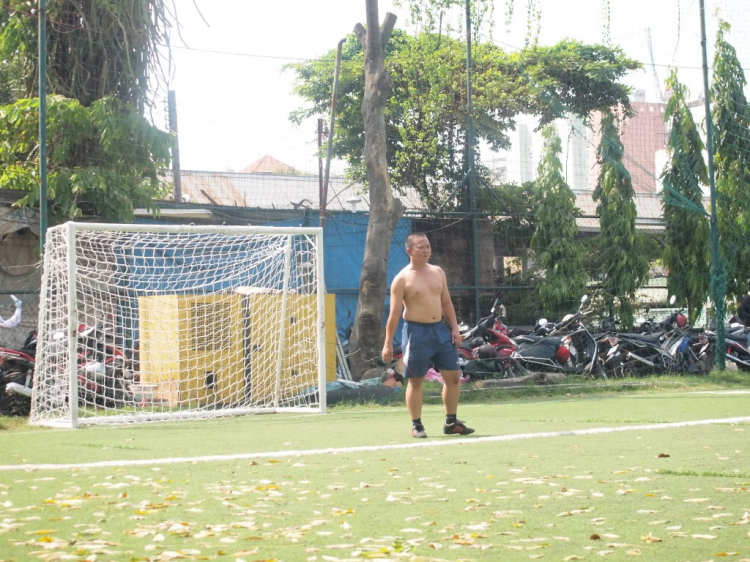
385, 210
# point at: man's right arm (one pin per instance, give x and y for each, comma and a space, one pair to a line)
397, 302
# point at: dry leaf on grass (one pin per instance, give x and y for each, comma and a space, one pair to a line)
705, 537
575, 512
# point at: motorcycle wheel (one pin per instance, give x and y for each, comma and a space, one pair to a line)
514, 369
707, 361
623, 369
15, 405
597, 371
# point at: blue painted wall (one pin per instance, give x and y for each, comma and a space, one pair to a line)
344, 248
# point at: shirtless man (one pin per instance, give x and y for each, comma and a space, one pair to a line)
422, 290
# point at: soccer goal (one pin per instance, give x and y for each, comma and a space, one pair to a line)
157, 322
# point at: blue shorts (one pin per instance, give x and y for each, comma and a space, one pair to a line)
425, 345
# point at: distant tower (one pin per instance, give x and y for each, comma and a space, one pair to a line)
575, 139
526, 153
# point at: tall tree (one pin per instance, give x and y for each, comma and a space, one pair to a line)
385, 210
731, 117
104, 155
426, 115
554, 243
687, 230
622, 262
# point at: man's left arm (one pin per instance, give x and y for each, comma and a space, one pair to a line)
449, 312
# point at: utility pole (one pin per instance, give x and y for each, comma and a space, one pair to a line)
176, 177
718, 276
332, 124
321, 196
42, 54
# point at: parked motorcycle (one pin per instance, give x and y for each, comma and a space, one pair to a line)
737, 339
567, 346
491, 331
16, 378
104, 378
664, 346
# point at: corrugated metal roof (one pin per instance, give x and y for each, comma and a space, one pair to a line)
273, 191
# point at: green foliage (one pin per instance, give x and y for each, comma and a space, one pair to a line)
731, 117
426, 114
94, 49
554, 238
686, 240
622, 261
6, 94
430, 14
103, 158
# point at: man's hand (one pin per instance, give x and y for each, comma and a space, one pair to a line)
456, 336
387, 353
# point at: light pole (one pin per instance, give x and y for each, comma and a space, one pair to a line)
42, 54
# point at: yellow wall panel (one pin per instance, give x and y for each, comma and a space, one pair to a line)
225, 348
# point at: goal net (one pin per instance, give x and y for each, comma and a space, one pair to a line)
149, 323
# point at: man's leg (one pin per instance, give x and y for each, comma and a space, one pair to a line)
414, 397
451, 391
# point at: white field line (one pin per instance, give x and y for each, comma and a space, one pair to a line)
376, 412
369, 448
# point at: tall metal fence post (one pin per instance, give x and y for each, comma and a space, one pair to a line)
42, 54
176, 174
718, 276
470, 164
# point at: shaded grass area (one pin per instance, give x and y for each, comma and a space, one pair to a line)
470, 393
673, 494
722, 380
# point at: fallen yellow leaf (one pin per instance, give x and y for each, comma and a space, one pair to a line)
705, 537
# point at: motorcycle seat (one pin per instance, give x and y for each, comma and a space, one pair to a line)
471, 343
546, 340
741, 338
648, 338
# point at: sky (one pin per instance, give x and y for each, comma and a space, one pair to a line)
234, 98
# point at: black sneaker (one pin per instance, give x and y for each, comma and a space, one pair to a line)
458, 428
418, 432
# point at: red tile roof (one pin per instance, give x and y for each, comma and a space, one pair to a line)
269, 165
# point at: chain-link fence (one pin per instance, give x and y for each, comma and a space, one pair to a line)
591, 161
20, 275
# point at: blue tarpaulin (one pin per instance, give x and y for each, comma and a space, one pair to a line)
344, 250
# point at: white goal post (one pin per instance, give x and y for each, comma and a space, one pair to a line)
157, 322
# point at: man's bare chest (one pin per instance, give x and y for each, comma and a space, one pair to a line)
423, 287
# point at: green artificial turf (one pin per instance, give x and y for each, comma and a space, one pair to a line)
355, 427
662, 494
